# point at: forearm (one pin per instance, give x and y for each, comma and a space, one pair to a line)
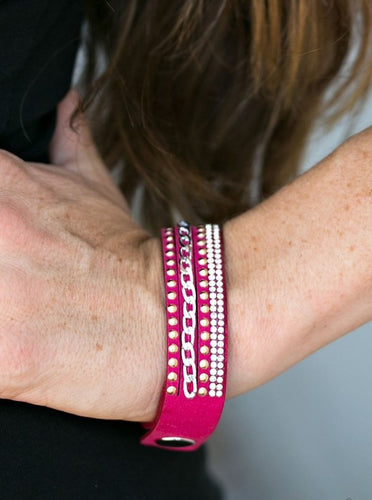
299, 267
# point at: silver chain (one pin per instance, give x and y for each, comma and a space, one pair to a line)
189, 310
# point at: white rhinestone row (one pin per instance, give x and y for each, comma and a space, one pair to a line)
217, 309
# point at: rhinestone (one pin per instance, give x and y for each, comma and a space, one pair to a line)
204, 349
213, 295
219, 380
213, 322
204, 336
219, 289
212, 288
221, 329
213, 329
220, 357
173, 362
213, 336
212, 385
220, 350
220, 365
213, 350
213, 302
172, 308
173, 348
203, 364
172, 295
204, 322
220, 309
171, 283
220, 296
221, 322
221, 343
173, 321
204, 283
220, 373
173, 334
212, 393
204, 295
203, 377
202, 391
214, 358
213, 371
213, 343
171, 390
172, 376
219, 387
219, 394
221, 336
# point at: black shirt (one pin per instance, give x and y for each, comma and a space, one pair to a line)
44, 453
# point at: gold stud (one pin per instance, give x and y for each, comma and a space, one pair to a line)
203, 273
204, 308
202, 391
204, 322
173, 348
172, 295
171, 272
173, 334
172, 309
173, 362
201, 243
173, 376
170, 246
203, 251
204, 336
171, 283
171, 390
170, 262
203, 283
204, 295
203, 262
172, 321
169, 254
203, 364
204, 377
204, 349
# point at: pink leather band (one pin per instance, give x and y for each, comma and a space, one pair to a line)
194, 390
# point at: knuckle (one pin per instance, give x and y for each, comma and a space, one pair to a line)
12, 222
10, 165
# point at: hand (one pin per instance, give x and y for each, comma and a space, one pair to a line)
80, 320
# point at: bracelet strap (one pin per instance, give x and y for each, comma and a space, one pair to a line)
195, 386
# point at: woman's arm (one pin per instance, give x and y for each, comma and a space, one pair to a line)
82, 320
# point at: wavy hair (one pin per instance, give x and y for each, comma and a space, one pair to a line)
203, 99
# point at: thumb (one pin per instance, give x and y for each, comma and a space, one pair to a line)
74, 149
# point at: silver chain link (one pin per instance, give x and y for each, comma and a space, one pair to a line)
189, 311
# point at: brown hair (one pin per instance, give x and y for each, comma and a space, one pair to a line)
202, 98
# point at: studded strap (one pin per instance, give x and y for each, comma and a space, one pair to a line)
194, 390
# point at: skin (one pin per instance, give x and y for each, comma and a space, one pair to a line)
82, 323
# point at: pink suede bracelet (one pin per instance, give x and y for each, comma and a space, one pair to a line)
195, 386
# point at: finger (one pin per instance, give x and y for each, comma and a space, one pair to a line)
74, 149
